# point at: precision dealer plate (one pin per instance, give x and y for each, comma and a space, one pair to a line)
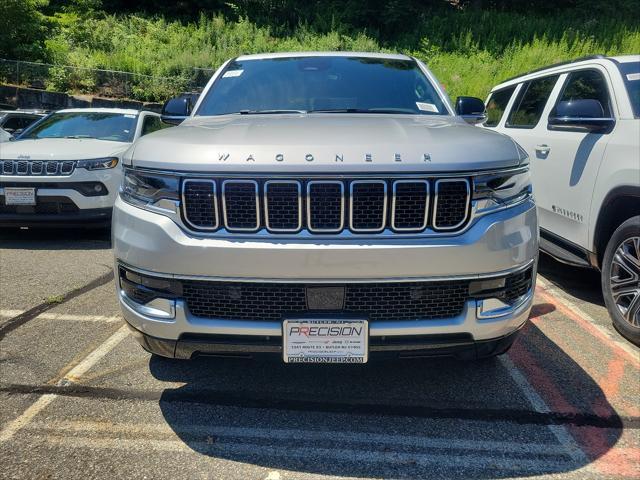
19, 196
325, 341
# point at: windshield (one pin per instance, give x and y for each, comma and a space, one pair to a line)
322, 84
631, 75
116, 127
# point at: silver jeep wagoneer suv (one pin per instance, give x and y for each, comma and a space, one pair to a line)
326, 207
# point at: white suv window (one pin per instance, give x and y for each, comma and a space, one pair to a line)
586, 85
528, 107
497, 104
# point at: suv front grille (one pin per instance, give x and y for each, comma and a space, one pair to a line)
37, 167
323, 206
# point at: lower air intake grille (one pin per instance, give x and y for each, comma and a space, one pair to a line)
45, 205
376, 301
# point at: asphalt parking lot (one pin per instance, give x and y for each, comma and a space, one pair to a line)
80, 398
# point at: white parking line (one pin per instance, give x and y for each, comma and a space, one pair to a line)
63, 316
89, 361
539, 405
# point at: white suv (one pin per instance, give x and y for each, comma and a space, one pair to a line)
580, 124
66, 169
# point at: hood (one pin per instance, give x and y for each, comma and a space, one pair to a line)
61, 149
328, 143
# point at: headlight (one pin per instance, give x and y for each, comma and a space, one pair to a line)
502, 188
149, 189
98, 163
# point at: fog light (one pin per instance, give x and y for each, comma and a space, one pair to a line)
150, 296
485, 287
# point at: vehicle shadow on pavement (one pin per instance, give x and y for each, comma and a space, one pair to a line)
581, 283
431, 418
56, 239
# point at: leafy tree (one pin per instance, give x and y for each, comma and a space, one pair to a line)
23, 29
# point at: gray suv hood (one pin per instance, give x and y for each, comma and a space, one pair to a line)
327, 143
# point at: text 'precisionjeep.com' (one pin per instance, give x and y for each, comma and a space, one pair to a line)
325, 207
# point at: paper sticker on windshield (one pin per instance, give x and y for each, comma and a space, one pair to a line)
232, 73
427, 107
633, 76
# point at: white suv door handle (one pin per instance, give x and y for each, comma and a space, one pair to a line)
544, 149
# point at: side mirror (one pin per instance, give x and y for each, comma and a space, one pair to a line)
586, 114
176, 110
471, 109
17, 132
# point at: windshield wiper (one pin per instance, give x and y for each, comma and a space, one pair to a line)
362, 110
78, 136
269, 112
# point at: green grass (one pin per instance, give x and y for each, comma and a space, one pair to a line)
469, 54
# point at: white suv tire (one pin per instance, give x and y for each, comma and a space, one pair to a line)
621, 279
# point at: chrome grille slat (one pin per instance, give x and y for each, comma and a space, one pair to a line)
240, 205
22, 168
200, 204
367, 205
319, 206
325, 206
283, 205
451, 204
51, 168
36, 168
410, 205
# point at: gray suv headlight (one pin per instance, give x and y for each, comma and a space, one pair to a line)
149, 189
499, 189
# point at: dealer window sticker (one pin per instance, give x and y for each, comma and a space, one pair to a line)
232, 73
427, 107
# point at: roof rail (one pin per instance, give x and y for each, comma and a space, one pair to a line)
559, 64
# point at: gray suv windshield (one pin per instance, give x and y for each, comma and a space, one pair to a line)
322, 84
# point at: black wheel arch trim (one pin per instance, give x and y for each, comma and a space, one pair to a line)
602, 223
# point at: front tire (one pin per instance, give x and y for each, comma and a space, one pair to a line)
621, 279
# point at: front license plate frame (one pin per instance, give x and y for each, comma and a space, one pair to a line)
19, 196
325, 341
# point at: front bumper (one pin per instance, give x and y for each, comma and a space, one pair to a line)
495, 245
64, 199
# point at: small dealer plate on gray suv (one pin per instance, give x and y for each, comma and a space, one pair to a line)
325, 341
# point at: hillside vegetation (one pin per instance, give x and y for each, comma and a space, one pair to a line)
470, 49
